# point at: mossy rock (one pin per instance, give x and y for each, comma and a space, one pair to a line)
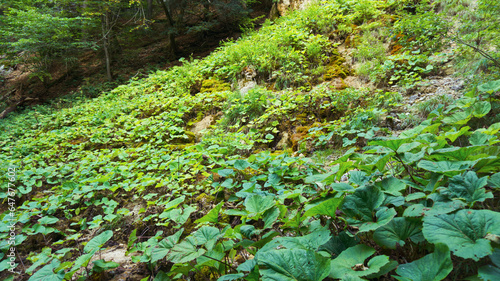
214, 85
204, 199
336, 68
188, 138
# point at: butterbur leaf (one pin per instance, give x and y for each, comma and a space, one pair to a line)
102, 265
249, 230
310, 241
384, 270
410, 158
327, 178
392, 186
161, 276
361, 204
494, 180
464, 232
352, 262
479, 138
342, 187
48, 220
212, 216
458, 118
185, 251
491, 272
358, 177
165, 245
173, 204
433, 267
467, 187
397, 232
241, 164
248, 265
293, 265
480, 109
492, 86
270, 216
225, 172
256, 204
327, 208
98, 241
382, 217
406, 147
47, 273
338, 244
419, 210
445, 166
208, 236
458, 153
393, 144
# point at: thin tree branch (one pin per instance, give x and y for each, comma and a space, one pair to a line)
481, 52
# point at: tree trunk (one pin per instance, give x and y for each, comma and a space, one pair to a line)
170, 25
105, 44
149, 10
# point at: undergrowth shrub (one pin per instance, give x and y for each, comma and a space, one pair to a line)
404, 69
240, 109
426, 107
423, 31
370, 54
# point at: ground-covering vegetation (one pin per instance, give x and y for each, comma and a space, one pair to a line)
303, 177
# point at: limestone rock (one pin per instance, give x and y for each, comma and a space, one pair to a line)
284, 141
284, 6
198, 127
244, 86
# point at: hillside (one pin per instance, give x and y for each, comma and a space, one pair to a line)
348, 140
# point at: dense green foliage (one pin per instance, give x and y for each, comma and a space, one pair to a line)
342, 197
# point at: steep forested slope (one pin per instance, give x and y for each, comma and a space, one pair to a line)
298, 152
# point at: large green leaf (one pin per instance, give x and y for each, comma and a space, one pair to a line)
438, 208
393, 144
208, 236
397, 231
256, 204
241, 164
362, 203
433, 267
310, 241
293, 265
165, 245
491, 272
102, 265
494, 181
458, 118
185, 251
480, 109
212, 216
338, 244
467, 187
98, 241
445, 166
392, 186
491, 86
270, 216
47, 273
383, 216
465, 232
327, 208
351, 262
172, 204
